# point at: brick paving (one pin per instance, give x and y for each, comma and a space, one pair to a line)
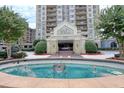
29, 82
65, 54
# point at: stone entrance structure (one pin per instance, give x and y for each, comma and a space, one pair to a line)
65, 34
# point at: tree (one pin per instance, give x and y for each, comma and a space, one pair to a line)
12, 27
111, 24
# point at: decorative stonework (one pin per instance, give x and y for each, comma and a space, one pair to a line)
65, 31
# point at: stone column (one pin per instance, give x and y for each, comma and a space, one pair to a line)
83, 46
79, 46
76, 47
52, 46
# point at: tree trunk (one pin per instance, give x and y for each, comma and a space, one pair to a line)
121, 50
9, 50
121, 47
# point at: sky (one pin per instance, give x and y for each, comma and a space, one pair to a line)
29, 12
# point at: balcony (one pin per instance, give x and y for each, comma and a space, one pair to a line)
51, 6
80, 24
51, 20
81, 13
51, 14
81, 7
51, 10
81, 18
51, 25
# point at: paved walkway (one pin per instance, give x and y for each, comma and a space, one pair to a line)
7, 80
31, 55
104, 55
65, 54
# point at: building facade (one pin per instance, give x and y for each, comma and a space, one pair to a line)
26, 41
49, 16
74, 22
82, 17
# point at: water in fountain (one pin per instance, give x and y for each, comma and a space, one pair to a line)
59, 70
27, 70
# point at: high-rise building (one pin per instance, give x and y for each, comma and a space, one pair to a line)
26, 41
49, 16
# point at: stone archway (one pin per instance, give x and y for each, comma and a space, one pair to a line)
65, 32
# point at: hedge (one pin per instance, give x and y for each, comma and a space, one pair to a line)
90, 46
41, 47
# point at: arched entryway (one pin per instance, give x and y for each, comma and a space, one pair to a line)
65, 45
65, 38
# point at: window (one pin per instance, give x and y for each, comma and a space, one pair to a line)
43, 28
43, 18
89, 5
71, 16
72, 10
30, 46
43, 8
90, 26
59, 12
72, 21
89, 9
90, 20
43, 13
3, 47
89, 14
59, 17
113, 45
25, 46
59, 6
38, 34
72, 5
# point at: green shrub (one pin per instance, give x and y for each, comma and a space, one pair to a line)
40, 47
19, 55
90, 46
35, 42
3, 54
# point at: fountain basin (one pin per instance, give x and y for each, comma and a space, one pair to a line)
72, 69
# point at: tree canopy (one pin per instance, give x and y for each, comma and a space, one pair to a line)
12, 25
111, 20
111, 24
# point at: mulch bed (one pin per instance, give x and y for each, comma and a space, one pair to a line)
41, 54
115, 58
98, 53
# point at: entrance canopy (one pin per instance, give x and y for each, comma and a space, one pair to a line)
65, 31
65, 34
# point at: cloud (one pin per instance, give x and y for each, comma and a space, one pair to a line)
32, 25
104, 6
29, 12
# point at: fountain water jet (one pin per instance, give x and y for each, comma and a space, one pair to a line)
58, 67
